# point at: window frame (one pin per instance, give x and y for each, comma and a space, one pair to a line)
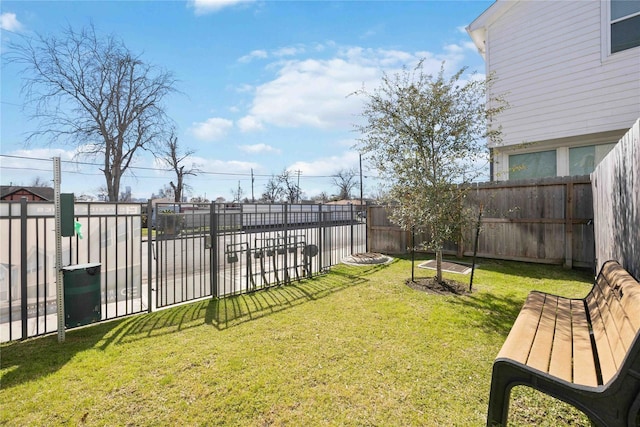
606, 23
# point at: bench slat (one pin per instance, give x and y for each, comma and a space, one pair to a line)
619, 330
605, 356
631, 292
560, 365
543, 341
584, 367
518, 343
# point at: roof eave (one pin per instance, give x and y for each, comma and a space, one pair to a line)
477, 30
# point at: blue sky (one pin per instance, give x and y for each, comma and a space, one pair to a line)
263, 85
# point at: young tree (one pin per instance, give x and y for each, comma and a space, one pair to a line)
93, 91
173, 157
425, 135
345, 181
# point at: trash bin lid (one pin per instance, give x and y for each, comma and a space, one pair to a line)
81, 266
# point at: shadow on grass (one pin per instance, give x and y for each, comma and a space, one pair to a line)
499, 311
226, 312
24, 361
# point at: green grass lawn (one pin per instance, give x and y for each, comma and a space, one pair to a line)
351, 348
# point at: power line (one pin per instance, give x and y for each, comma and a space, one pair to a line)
230, 174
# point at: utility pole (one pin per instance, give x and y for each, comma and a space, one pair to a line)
361, 181
298, 189
253, 180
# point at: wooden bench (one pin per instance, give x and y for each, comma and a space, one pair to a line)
585, 352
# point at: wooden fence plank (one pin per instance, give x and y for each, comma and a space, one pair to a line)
522, 220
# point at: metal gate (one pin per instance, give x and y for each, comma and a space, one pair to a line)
180, 265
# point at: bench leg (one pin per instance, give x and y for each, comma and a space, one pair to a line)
499, 399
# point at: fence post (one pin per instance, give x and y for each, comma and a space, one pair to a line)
150, 255
23, 268
286, 244
213, 250
351, 218
320, 237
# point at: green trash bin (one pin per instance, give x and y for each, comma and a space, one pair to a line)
82, 297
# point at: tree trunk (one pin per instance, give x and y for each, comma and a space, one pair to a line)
439, 265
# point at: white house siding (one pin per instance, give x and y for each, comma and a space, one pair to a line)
548, 60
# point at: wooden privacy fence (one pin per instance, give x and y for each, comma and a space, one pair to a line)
543, 221
616, 190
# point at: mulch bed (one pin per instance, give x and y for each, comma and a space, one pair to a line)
431, 286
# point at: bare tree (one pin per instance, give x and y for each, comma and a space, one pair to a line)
290, 187
94, 92
40, 182
237, 193
173, 157
345, 181
272, 190
321, 198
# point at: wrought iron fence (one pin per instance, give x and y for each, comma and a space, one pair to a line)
227, 249
111, 236
187, 252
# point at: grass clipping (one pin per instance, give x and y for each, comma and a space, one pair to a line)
432, 286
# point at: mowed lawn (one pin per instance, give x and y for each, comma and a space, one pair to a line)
354, 347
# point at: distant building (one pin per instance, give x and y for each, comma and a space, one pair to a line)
34, 194
570, 71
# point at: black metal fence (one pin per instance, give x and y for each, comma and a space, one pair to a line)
185, 252
230, 249
110, 234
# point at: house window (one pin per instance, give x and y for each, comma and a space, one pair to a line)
583, 160
625, 24
532, 165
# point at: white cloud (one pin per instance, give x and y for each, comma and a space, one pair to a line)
211, 129
250, 124
327, 165
289, 51
276, 53
244, 88
315, 92
255, 54
9, 22
259, 148
312, 93
222, 166
203, 7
